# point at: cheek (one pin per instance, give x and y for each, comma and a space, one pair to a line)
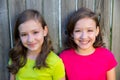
39, 36
76, 36
23, 39
92, 36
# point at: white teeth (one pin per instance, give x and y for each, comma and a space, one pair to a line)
84, 42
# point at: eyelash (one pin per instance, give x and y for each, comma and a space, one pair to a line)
23, 35
77, 31
80, 30
90, 30
36, 32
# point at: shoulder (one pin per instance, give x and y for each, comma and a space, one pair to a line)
55, 64
106, 54
107, 57
53, 59
66, 52
104, 51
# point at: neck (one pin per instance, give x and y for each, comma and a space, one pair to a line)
85, 51
33, 54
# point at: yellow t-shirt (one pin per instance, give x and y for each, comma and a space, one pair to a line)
55, 71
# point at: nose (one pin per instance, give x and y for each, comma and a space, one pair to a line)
30, 38
83, 35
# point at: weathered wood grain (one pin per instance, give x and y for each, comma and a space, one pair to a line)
4, 40
116, 34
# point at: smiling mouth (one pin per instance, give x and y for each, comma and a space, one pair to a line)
31, 45
84, 42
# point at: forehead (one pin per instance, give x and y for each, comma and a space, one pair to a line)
85, 23
30, 25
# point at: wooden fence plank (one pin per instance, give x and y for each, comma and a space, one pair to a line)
51, 15
4, 40
107, 15
87, 3
15, 8
34, 4
116, 34
103, 7
80, 3
67, 7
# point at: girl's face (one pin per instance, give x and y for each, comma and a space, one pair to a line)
32, 35
84, 34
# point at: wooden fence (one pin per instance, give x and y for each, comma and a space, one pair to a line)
55, 12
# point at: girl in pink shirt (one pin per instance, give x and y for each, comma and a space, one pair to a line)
85, 58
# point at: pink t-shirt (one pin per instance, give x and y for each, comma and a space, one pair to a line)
90, 67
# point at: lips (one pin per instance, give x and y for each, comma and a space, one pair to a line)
84, 42
32, 45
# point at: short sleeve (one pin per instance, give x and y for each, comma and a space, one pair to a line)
111, 62
58, 70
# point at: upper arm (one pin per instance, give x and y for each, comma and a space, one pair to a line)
111, 75
59, 71
63, 78
12, 76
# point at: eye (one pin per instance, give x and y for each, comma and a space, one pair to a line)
90, 30
77, 30
35, 32
23, 34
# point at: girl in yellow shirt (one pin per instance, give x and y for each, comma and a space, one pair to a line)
32, 57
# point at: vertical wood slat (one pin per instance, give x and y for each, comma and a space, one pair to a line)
107, 16
87, 3
4, 40
67, 7
51, 15
102, 8
80, 3
34, 4
15, 8
116, 34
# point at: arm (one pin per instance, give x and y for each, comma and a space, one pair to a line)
59, 71
12, 76
111, 74
63, 78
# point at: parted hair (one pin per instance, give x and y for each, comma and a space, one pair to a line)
18, 54
72, 20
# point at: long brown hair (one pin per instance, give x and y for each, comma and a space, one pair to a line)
72, 20
18, 54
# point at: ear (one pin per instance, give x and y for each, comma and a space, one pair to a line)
97, 30
45, 31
